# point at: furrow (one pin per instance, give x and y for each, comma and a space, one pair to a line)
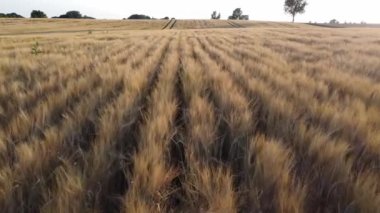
314, 150
151, 160
250, 197
318, 113
106, 180
205, 186
36, 161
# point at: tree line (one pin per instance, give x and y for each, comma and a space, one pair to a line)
292, 7
74, 14
141, 16
40, 14
10, 15
70, 15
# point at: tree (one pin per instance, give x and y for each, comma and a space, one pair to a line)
237, 14
72, 14
138, 16
244, 17
295, 6
215, 15
10, 15
37, 14
334, 21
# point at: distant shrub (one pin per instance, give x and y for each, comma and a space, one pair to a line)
334, 21
139, 16
237, 14
87, 17
74, 15
215, 15
36, 49
38, 14
10, 15
244, 17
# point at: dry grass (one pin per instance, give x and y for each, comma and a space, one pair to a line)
31, 26
59, 26
279, 118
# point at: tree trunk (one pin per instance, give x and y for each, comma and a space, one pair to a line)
293, 17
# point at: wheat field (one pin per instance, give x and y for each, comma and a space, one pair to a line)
276, 118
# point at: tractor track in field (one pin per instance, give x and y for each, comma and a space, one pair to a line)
235, 25
170, 24
174, 22
167, 24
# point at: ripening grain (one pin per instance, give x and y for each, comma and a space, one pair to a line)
107, 117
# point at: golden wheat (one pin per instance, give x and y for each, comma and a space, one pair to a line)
131, 116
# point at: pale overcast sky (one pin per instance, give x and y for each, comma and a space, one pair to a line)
271, 10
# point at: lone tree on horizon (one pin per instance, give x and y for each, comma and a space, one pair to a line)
37, 14
295, 6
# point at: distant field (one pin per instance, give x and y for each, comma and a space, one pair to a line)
203, 24
28, 26
34, 26
252, 117
346, 25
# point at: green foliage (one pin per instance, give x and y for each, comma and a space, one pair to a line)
72, 14
237, 14
36, 49
10, 15
334, 21
139, 16
87, 17
38, 14
295, 6
215, 15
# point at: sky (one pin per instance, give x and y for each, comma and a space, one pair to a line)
268, 10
